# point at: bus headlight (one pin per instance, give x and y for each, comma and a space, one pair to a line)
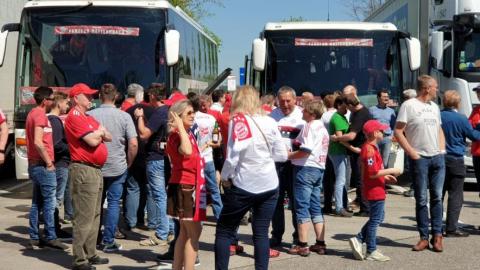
21, 147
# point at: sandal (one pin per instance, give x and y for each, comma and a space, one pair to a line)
153, 241
273, 253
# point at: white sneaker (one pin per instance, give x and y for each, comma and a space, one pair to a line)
356, 247
377, 256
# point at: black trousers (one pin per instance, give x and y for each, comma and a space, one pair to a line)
286, 178
454, 180
356, 181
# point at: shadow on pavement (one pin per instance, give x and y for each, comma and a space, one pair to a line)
60, 258
399, 227
340, 253
19, 208
18, 229
138, 255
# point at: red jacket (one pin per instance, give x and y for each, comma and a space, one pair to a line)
474, 120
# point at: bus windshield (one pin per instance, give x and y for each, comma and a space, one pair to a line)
324, 61
468, 52
60, 47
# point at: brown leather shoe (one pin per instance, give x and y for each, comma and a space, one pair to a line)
437, 243
421, 245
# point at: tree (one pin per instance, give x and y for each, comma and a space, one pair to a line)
361, 9
197, 10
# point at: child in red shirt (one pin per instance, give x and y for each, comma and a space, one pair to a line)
374, 179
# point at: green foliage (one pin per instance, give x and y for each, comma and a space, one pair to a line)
197, 9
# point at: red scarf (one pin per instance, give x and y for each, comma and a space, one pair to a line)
200, 188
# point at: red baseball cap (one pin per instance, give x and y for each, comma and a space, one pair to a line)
174, 98
373, 125
81, 88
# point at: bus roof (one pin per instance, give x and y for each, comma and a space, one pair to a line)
319, 25
119, 3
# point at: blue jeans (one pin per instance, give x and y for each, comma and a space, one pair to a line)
428, 174
368, 234
212, 187
135, 198
157, 204
44, 189
63, 193
340, 167
384, 148
236, 204
308, 189
113, 189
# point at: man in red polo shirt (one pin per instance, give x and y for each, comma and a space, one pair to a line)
41, 169
88, 152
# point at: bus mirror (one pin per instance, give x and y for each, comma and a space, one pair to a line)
259, 54
437, 49
414, 53
172, 46
3, 45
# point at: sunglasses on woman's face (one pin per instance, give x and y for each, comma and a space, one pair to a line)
189, 113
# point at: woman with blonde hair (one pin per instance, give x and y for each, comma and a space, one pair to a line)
248, 176
186, 193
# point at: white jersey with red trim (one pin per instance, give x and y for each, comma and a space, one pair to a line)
289, 125
250, 160
314, 140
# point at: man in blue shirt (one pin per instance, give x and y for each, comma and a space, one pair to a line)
384, 115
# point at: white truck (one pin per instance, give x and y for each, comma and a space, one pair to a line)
449, 32
10, 12
61, 43
323, 57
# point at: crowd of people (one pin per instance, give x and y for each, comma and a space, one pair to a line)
244, 155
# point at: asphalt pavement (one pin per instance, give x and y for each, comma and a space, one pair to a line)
396, 236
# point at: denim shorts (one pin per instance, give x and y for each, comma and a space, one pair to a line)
308, 189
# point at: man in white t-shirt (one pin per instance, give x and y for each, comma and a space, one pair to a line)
218, 98
419, 132
203, 130
290, 122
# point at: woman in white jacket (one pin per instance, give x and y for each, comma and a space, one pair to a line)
248, 176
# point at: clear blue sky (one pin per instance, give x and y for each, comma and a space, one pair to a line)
241, 21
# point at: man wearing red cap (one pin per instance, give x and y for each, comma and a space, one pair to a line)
374, 178
86, 139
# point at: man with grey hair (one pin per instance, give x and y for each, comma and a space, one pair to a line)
290, 122
134, 96
409, 93
307, 97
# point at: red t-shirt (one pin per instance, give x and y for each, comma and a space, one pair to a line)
38, 118
184, 168
371, 160
77, 126
125, 106
2, 117
474, 120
